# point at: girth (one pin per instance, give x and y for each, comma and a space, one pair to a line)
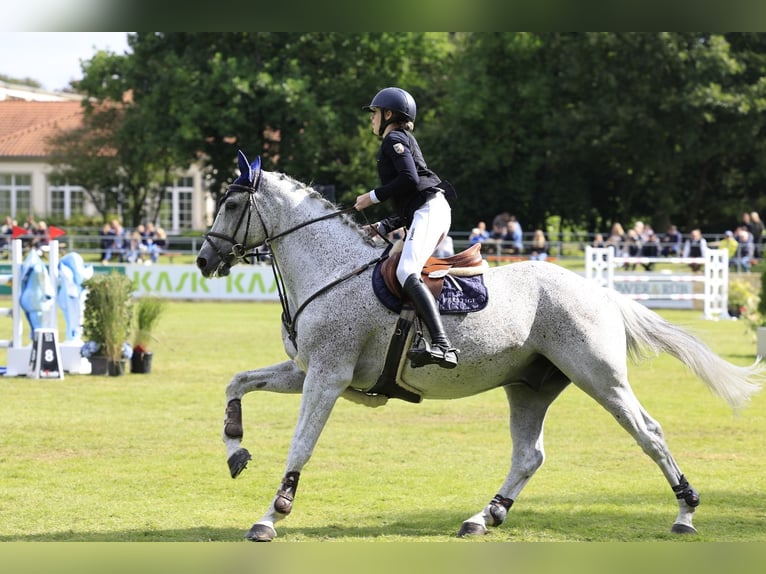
434, 270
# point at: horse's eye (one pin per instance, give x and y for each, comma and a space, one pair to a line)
230, 205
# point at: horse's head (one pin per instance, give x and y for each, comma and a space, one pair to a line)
237, 228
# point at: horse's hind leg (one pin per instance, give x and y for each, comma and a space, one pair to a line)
527, 409
622, 403
688, 498
283, 377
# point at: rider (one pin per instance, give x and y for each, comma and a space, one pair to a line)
418, 197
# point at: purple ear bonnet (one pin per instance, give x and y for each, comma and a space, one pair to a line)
248, 172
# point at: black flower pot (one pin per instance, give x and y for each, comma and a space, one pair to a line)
115, 368
102, 366
141, 362
98, 365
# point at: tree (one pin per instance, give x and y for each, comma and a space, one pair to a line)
22, 81
124, 154
489, 132
603, 127
85, 156
593, 127
294, 98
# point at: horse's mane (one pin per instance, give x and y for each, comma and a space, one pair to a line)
315, 195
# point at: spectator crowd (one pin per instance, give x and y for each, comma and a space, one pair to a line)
36, 232
142, 245
744, 243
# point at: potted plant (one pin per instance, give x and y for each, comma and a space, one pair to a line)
107, 319
760, 329
148, 311
743, 298
750, 308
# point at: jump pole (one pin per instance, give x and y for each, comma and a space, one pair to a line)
18, 353
600, 264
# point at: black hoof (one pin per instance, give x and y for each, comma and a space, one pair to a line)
683, 529
261, 533
471, 529
238, 462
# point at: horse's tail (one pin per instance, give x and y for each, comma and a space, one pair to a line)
649, 334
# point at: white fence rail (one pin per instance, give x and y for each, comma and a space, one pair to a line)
600, 265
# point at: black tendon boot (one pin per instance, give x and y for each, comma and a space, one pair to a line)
440, 351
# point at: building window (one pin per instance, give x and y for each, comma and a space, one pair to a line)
66, 200
15, 193
176, 212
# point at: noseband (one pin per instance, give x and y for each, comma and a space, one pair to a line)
238, 252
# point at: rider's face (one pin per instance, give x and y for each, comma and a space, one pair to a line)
375, 118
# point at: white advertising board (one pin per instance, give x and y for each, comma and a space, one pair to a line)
246, 282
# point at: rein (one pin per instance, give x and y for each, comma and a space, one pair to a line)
309, 222
238, 254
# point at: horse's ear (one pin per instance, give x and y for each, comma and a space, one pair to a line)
248, 171
255, 171
245, 172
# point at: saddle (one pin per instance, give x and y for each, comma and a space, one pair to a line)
467, 263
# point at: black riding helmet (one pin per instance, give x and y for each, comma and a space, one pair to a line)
398, 101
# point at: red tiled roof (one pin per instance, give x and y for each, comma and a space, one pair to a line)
26, 126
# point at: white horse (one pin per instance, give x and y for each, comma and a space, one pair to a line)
543, 327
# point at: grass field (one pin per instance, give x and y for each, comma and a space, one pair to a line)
139, 457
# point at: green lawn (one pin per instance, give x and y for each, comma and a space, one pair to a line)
139, 457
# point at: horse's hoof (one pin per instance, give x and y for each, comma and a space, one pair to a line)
471, 529
683, 529
261, 533
238, 462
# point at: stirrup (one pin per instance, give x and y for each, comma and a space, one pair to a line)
449, 358
445, 357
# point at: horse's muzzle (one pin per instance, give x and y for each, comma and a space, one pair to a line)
205, 263
202, 266
208, 270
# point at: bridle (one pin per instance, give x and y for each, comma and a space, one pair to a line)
239, 254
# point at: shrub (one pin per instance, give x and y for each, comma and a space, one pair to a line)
148, 311
108, 313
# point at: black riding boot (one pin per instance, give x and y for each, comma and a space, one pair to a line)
440, 351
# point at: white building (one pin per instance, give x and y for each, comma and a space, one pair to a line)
28, 117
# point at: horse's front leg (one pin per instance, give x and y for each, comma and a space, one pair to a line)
321, 389
283, 377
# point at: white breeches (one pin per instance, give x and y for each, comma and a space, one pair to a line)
429, 224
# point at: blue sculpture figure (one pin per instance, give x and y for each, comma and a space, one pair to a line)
71, 294
37, 291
